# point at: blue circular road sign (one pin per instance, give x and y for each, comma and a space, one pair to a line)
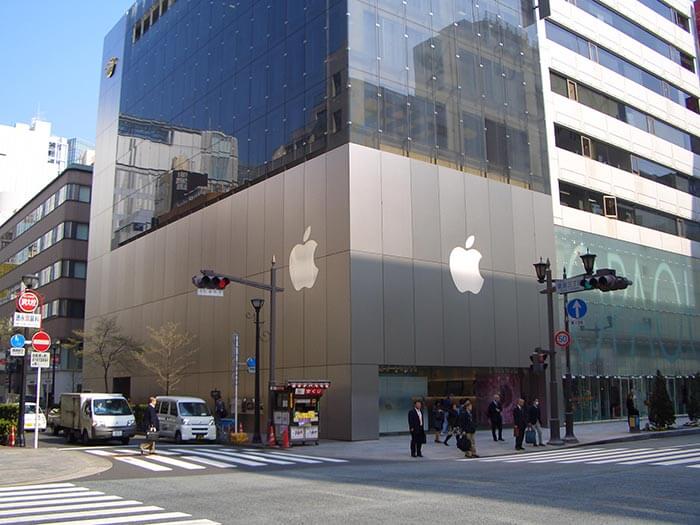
250, 363
17, 341
576, 308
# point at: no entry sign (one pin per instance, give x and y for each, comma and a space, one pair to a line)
41, 341
27, 302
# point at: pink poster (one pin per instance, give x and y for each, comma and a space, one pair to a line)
505, 384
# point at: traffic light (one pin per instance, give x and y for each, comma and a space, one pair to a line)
538, 358
605, 280
210, 281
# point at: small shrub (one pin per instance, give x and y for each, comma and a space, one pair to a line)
9, 411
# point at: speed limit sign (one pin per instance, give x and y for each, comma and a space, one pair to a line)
562, 338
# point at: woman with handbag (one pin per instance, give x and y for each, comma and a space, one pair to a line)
467, 426
150, 420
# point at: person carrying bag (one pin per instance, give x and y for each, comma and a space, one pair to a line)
150, 420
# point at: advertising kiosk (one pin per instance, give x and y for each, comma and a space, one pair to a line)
296, 409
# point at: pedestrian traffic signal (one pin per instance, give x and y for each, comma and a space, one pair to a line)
605, 280
538, 358
210, 281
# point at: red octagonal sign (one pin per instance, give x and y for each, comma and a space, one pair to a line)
41, 341
27, 302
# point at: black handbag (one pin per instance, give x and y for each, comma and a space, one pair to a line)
152, 434
463, 443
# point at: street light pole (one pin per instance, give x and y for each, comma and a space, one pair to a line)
273, 338
554, 434
57, 347
257, 305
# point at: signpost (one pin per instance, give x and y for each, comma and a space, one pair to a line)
17, 352
570, 285
577, 308
17, 341
210, 293
250, 363
38, 360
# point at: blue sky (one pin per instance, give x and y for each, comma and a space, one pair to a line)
50, 54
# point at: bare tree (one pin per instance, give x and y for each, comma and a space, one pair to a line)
169, 356
106, 345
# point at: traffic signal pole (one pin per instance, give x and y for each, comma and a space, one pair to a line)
569, 437
22, 388
554, 433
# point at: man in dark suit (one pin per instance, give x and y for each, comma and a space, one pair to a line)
415, 427
496, 418
152, 425
519, 423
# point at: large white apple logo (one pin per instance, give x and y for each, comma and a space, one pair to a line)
464, 267
302, 268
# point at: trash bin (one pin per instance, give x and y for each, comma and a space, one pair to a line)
633, 423
223, 428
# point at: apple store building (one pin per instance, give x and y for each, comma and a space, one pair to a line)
389, 156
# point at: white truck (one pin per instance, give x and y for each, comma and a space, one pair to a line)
92, 416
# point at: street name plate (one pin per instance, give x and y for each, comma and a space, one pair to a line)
568, 285
22, 320
210, 293
17, 352
40, 360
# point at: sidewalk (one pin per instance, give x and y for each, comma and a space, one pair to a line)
21, 466
396, 448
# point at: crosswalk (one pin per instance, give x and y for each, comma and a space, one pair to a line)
676, 456
206, 457
68, 504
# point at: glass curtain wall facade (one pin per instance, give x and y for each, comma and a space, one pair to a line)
453, 82
626, 335
218, 94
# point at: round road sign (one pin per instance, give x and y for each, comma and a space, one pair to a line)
17, 341
41, 341
27, 302
562, 338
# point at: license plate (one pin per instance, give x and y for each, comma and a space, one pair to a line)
116, 433
199, 437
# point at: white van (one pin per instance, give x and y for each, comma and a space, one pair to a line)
185, 419
90, 416
30, 417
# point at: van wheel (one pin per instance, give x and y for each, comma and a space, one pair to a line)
178, 437
125, 441
69, 436
84, 438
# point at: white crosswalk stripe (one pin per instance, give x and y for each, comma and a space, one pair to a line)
67, 504
172, 458
681, 455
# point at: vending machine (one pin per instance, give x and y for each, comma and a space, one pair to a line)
296, 409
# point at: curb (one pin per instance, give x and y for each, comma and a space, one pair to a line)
642, 436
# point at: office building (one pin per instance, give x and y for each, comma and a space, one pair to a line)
392, 156
47, 238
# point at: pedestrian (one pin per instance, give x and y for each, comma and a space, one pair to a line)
631, 408
220, 408
446, 406
496, 417
452, 423
438, 419
467, 426
150, 420
415, 427
519, 423
534, 419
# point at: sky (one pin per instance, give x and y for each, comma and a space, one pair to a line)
50, 61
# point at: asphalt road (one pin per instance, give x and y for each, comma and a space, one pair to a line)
419, 491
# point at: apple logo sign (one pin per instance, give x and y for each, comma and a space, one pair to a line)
302, 268
464, 268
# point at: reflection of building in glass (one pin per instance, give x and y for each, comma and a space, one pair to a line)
81, 152
164, 170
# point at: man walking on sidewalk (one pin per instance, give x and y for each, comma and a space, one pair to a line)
496, 418
519, 423
534, 419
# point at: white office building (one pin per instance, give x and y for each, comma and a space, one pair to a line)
30, 157
621, 102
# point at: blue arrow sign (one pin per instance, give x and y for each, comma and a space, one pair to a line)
17, 341
576, 308
250, 363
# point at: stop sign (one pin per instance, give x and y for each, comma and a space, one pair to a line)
27, 302
41, 341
